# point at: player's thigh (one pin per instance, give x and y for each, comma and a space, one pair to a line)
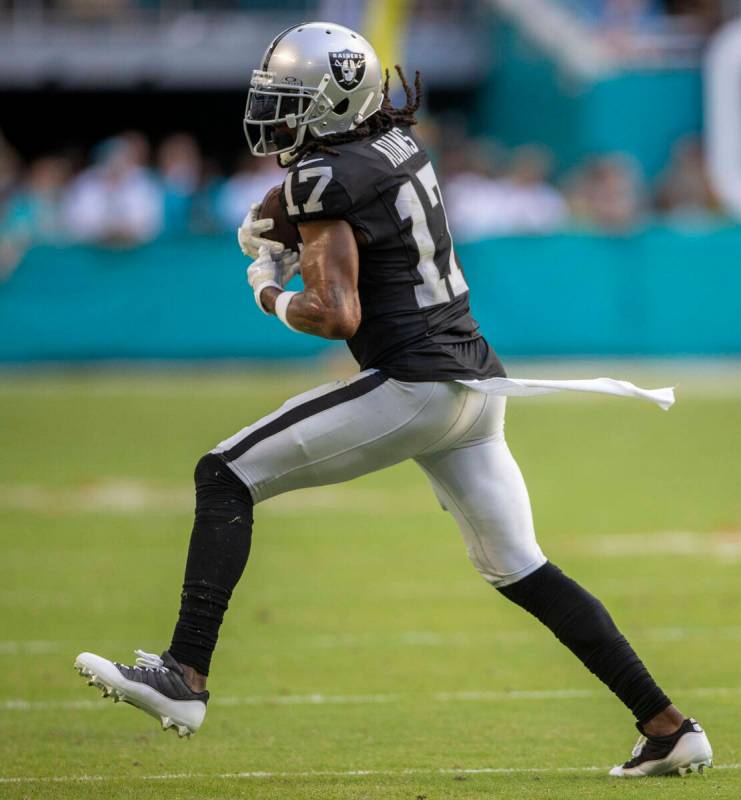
480, 484
335, 433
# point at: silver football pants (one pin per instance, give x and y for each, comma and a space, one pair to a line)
456, 434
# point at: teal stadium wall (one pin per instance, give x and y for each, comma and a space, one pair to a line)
641, 112
660, 292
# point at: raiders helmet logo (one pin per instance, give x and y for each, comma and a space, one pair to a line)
348, 68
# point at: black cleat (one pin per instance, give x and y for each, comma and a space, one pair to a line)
685, 751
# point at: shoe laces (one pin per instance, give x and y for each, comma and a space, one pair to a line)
149, 661
639, 745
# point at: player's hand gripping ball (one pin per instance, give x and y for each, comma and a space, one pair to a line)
267, 225
268, 236
282, 230
269, 269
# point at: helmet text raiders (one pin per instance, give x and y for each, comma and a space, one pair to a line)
316, 76
348, 68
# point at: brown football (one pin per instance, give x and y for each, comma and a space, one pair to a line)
284, 230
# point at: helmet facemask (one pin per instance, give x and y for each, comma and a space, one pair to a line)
278, 114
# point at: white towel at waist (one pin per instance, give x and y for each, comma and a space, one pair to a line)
526, 387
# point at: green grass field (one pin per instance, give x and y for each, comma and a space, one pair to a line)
362, 657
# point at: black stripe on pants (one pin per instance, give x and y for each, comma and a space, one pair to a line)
351, 391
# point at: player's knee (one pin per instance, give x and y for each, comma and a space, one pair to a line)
510, 569
208, 468
485, 566
213, 478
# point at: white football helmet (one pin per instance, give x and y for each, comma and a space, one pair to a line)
317, 76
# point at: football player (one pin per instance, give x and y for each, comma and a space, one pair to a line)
379, 271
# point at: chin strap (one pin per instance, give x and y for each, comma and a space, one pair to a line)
325, 105
286, 159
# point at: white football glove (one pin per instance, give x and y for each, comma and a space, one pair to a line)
271, 270
248, 233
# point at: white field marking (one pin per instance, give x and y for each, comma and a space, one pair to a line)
725, 545
415, 639
317, 699
127, 496
114, 496
310, 699
31, 647
35, 647
354, 773
477, 639
131, 496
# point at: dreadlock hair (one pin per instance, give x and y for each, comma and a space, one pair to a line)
381, 122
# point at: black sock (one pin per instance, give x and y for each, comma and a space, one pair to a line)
218, 552
583, 624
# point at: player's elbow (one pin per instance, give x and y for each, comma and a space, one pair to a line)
342, 324
332, 312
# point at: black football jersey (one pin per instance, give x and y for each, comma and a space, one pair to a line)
416, 324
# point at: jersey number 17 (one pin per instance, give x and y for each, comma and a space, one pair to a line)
440, 282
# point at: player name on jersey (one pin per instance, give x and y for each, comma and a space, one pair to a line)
416, 324
396, 146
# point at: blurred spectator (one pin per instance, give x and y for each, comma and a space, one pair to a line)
520, 201
205, 212
249, 185
115, 201
467, 171
531, 205
179, 167
140, 148
684, 188
85, 9
33, 214
622, 13
121, 199
608, 193
708, 13
10, 168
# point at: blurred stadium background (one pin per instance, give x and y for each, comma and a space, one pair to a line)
590, 152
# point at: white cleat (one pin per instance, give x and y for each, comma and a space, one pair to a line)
155, 685
686, 751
